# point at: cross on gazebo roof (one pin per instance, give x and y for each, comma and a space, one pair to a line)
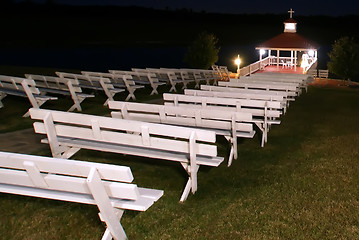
291, 13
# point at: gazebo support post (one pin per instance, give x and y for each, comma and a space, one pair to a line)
278, 60
295, 60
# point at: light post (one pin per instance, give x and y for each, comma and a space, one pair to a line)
238, 62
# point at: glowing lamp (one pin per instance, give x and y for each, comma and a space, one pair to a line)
238, 62
262, 52
311, 53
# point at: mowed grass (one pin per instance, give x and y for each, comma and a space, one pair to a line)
302, 185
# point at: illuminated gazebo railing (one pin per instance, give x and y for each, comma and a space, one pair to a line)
272, 60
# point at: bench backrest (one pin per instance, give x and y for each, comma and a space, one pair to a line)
88, 81
250, 91
116, 79
204, 93
65, 175
256, 107
323, 73
260, 85
274, 79
183, 116
17, 83
56, 83
136, 134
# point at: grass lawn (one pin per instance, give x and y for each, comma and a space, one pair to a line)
302, 185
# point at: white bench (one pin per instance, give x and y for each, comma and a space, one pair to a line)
237, 95
228, 124
265, 113
267, 85
180, 74
168, 76
210, 75
301, 79
107, 186
259, 86
197, 75
95, 83
62, 86
222, 71
287, 96
323, 73
144, 78
22, 87
118, 81
298, 83
67, 133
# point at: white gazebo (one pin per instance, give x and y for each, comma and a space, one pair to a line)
289, 41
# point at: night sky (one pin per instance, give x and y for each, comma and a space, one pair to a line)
304, 7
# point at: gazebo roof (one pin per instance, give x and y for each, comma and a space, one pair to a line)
290, 20
288, 41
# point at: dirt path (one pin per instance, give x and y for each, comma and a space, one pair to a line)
22, 141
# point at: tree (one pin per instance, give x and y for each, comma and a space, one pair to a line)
203, 52
344, 58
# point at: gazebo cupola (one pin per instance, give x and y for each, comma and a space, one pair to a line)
290, 25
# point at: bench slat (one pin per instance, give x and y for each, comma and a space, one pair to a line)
126, 139
120, 124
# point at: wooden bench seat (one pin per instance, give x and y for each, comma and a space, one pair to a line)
61, 86
225, 123
67, 133
107, 186
265, 113
22, 87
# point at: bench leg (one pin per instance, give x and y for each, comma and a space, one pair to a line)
76, 105
131, 95
154, 91
186, 190
191, 184
108, 213
109, 98
173, 88
230, 158
2, 95
260, 126
197, 85
184, 85
233, 154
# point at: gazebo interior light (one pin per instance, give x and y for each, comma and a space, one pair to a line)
311, 53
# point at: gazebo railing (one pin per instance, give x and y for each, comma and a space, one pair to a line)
254, 67
272, 60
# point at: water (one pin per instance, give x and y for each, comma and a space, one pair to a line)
105, 58
95, 59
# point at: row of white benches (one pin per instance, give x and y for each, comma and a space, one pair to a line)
184, 129
110, 83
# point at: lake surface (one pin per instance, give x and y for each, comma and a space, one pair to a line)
105, 58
